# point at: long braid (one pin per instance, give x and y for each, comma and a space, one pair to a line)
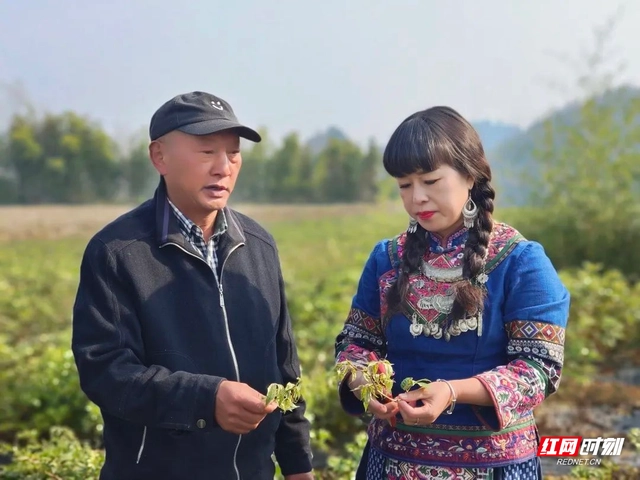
414, 248
469, 295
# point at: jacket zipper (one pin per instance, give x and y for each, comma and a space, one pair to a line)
144, 437
233, 352
226, 325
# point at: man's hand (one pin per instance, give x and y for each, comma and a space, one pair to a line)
240, 408
300, 476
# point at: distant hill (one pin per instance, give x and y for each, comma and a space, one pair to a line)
513, 162
493, 134
509, 149
320, 140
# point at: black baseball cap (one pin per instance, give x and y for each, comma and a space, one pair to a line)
197, 113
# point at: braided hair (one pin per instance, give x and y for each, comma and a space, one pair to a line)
422, 143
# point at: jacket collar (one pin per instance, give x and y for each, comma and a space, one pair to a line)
168, 229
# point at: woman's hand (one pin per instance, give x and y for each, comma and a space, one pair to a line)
384, 411
434, 399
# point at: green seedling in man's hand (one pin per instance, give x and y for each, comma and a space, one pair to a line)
286, 397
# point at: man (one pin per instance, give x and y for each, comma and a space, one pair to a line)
181, 323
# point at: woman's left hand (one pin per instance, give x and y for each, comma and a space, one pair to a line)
435, 398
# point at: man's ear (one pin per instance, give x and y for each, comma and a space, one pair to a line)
157, 156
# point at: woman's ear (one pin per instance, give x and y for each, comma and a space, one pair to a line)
470, 183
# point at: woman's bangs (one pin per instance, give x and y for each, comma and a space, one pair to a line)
412, 148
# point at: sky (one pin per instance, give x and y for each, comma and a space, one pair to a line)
361, 65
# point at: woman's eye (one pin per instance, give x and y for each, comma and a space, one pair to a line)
404, 185
430, 182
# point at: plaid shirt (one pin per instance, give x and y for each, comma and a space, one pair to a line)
193, 233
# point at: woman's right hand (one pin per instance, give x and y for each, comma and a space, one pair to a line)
383, 411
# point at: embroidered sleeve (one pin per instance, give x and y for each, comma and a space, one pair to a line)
362, 335
535, 315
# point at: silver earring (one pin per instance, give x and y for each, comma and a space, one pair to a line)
470, 213
413, 226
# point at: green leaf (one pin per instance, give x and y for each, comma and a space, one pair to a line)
272, 393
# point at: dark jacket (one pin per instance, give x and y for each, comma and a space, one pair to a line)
154, 335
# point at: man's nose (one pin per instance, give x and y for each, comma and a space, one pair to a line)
221, 166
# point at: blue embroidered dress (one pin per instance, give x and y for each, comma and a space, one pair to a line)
515, 348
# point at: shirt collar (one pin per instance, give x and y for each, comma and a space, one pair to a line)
190, 229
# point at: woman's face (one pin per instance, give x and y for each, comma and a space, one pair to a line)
436, 199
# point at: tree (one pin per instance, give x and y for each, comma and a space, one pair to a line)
368, 178
252, 184
337, 172
589, 170
288, 171
140, 177
25, 160
591, 164
61, 158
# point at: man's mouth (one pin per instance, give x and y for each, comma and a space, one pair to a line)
216, 188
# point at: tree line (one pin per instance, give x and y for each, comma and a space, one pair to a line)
68, 159
586, 159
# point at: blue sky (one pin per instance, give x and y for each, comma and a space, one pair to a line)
363, 65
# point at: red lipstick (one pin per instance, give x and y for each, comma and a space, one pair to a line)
426, 215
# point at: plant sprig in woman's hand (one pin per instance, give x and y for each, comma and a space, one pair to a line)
408, 383
371, 382
376, 383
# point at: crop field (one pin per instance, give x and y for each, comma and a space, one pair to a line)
43, 413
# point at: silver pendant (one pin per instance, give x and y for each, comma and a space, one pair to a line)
416, 329
450, 275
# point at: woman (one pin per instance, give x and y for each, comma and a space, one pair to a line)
462, 301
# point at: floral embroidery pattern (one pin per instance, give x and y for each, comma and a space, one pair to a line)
453, 448
503, 239
429, 302
396, 470
516, 389
552, 370
435, 241
541, 343
361, 330
354, 354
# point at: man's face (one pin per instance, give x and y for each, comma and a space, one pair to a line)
200, 171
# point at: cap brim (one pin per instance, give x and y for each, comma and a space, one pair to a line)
214, 126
